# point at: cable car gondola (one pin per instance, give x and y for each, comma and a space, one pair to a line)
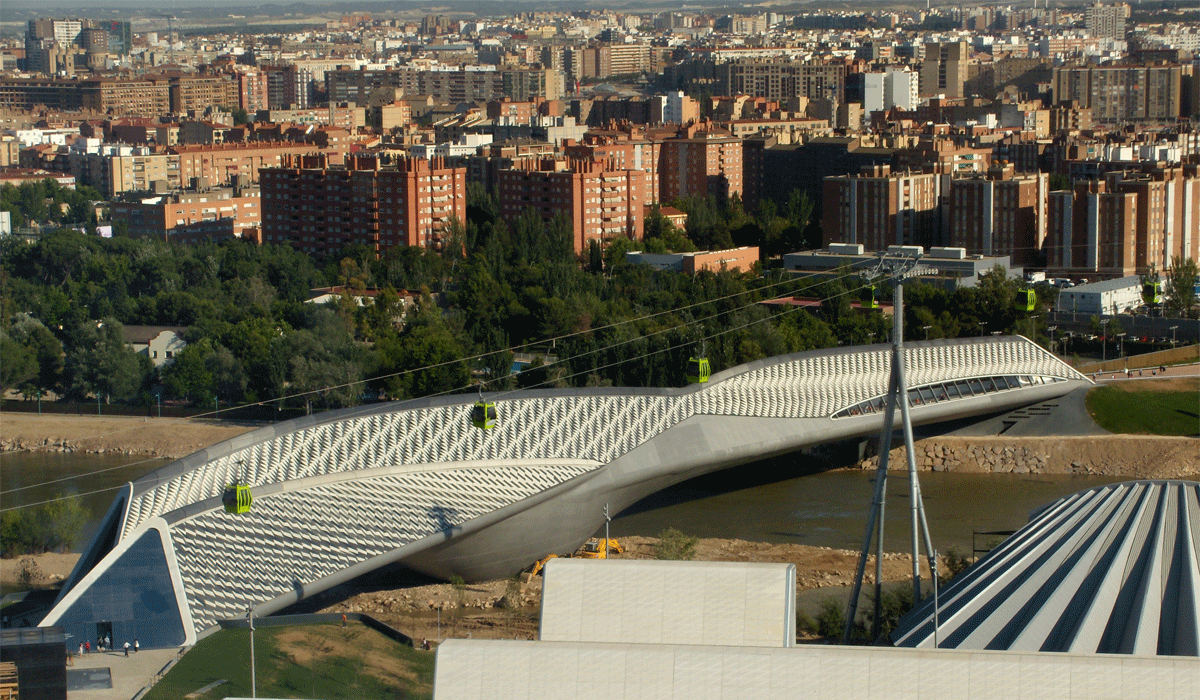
237, 498
1026, 300
483, 415
869, 297
1152, 292
698, 369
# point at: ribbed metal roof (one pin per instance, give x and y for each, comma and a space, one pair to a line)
1112, 569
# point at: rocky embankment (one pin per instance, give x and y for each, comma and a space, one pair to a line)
1133, 456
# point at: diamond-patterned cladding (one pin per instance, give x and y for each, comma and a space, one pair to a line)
304, 535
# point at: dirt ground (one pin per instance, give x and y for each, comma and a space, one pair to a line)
157, 437
485, 615
51, 569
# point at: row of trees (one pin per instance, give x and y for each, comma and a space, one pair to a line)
498, 284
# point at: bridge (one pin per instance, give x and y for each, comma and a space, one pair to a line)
342, 493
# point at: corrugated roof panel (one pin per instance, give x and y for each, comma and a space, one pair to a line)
1113, 570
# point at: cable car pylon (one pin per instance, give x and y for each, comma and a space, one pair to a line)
896, 269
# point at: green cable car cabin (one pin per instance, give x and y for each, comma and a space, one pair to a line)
869, 297
698, 370
1026, 300
483, 415
1152, 292
237, 498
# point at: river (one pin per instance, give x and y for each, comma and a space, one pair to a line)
788, 500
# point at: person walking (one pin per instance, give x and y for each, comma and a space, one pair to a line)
136, 646
81, 648
87, 647
343, 619
107, 642
127, 645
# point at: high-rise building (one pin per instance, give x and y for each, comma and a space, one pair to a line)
999, 213
944, 68
901, 89
1121, 93
781, 78
252, 91
318, 208
447, 86
1106, 21
602, 201
879, 208
1126, 222
701, 160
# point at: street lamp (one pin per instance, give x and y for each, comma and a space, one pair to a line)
1051, 329
253, 680
1104, 339
926, 331
1121, 345
982, 326
1173, 336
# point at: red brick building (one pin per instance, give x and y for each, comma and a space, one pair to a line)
217, 164
1000, 213
879, 208
319, 208
601, 200
702, 160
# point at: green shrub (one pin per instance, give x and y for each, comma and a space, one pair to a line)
674, 545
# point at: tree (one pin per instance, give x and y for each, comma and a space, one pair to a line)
17, 364
101, 365
1181, 285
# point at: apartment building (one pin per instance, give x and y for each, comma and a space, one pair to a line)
121, 169
253, 92
1125, 222
999, 213
781, 78
878, 208
319, 208
445, 86
701, 160
944, 69
220, 164
1123, 93
1106, 21
601, 200
219, 212
632, 150
147, 96
196, 93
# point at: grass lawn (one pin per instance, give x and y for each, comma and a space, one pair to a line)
1139, 408
310, 661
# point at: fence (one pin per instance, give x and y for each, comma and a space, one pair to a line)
1174, 356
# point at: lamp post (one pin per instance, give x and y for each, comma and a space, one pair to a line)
1173, 336
1051, 329
1121, 345
253, 680
1104, 339
982, 327
926, 329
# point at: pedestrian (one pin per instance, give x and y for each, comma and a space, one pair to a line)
343, 619
81, 649
127, 648
136, 646
87, 647
107, 642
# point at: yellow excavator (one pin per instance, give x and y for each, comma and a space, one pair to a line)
594, 548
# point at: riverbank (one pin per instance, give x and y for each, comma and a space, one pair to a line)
151, 437
1132, 456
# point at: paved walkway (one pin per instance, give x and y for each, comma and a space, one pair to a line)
1172, 372
129, 675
